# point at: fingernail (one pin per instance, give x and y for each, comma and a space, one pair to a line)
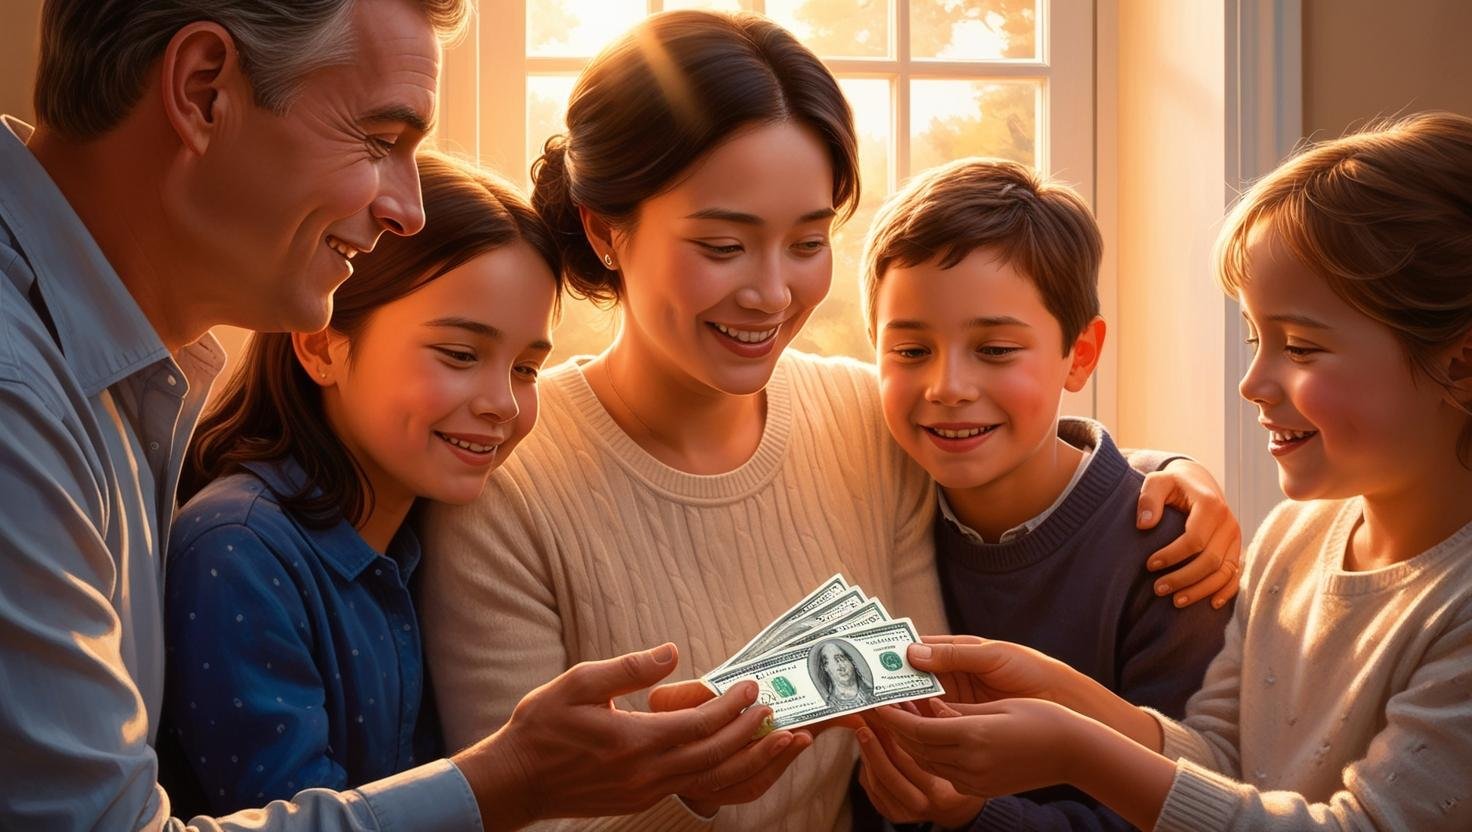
1162, 588
1218, 603
664, 654
784, 741
1156, 564
1181, 600
749, 690
863, 734
920, 651
1147, 516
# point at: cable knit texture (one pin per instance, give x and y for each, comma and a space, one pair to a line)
585, 546
1342, 700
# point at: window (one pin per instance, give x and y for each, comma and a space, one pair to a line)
929, 81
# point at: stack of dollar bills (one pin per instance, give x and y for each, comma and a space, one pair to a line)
836, 652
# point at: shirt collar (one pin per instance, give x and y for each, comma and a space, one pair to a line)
104, 335
339, 545
1027, 526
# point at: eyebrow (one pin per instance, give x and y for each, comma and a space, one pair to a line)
974, 323
400, 113
753, 219
1293, 318
484, 330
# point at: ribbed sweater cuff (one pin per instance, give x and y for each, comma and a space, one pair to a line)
1199, 801
1000, 814
1179, 742
670, 815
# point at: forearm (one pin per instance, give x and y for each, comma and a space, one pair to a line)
1120, 772
1084, 696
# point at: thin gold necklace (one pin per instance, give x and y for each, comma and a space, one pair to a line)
613, 385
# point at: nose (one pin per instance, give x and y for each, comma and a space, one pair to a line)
496, 402
768, 291
399, 206
1258, 384
952, 382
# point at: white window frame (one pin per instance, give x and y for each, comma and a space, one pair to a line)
484, 107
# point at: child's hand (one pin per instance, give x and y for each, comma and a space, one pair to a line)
1212, 534
905, 793
992, 749
975, 670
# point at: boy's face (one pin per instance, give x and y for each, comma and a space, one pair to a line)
971, 367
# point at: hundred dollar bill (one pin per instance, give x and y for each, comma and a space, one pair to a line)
868, 615
834, 676
851, 599
817, 599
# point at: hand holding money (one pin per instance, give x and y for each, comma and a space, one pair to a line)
836, 652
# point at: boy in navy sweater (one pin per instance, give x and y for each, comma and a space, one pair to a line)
982, 298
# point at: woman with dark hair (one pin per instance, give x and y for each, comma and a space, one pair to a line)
294, 656
694, 477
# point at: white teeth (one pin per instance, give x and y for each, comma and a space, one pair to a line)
341, 248
746, 336
1291, 435
959, 434
469, 446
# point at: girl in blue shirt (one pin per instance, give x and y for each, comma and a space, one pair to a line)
294, 654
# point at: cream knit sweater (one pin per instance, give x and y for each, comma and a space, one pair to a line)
1342, 700
584, 546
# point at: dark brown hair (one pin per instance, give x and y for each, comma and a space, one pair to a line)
1043, 229
658, 99
1384, 216
270, 409
96, 54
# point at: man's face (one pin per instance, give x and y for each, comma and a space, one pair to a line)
279, 205
839, 668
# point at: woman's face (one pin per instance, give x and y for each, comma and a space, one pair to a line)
838, 666
722, 270
440, 385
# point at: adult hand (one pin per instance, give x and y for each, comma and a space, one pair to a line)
1212, 534
901, 790
975, 670
991, 749
688, 694
568, 752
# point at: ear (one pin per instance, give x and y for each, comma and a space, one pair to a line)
201, 83
1086, 351
599, 233
1459, 368
321, 354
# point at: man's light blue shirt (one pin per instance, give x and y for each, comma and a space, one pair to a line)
95, 417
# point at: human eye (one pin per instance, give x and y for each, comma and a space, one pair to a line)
381, 146
1298, 352
811, 247
997, 351
528, 372
720, 250
909, 352
456, 356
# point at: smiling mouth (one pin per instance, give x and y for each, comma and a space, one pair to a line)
746, 336
342, 248
465, 445
963, 433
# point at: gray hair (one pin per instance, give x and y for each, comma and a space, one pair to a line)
96, 54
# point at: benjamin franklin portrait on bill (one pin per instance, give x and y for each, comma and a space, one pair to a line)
841, 674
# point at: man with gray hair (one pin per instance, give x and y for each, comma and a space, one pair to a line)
204, 162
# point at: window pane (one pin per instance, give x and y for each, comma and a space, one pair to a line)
952, 119
577, 28
720, 5
546, 104
974, 30
836, 28
837, 327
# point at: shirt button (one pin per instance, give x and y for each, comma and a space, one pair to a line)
152, 446
173, 382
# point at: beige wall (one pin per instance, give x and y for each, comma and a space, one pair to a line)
19, 43
1367, 58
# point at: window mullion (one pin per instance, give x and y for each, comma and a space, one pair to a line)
900, 170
